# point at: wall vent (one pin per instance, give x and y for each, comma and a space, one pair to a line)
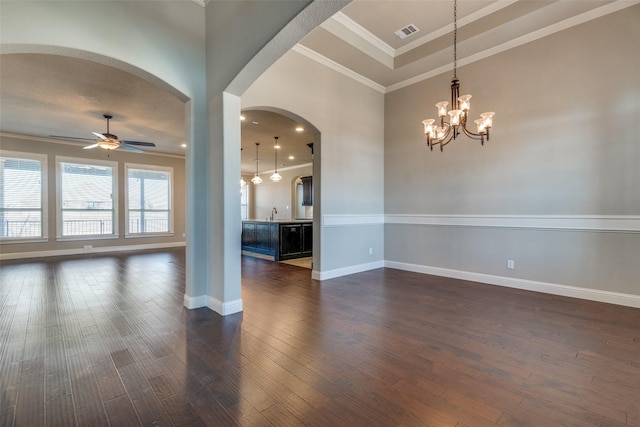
405, 32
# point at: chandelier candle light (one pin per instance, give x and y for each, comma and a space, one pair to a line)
444, 132
276, 177
256, 179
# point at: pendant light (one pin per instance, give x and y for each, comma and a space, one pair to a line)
442, 132
256, 179
276, 177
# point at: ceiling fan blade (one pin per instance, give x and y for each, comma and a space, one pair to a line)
70, 137
90, 146
134, 149
99, 135
143, 144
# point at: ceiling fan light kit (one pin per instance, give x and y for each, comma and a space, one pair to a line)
442, 132
109, 141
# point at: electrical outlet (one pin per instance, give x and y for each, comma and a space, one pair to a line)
511, 264
370, 251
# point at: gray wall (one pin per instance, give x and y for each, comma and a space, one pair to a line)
562, 169
54, 247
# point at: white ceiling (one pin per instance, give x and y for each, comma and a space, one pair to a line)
44, 95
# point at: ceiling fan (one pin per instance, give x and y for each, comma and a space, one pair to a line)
109, 141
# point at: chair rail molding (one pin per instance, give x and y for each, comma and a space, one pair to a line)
602, 223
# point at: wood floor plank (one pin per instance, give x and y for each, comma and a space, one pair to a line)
104, 340
60, 411
181, 411
7, 416
30, 408
120, 412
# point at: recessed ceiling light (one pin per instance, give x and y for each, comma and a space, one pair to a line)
255, 123
291, 157
183, 145
242, 118
299, 129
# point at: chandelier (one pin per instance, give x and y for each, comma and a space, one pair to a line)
256, 179
441, 132
276, 177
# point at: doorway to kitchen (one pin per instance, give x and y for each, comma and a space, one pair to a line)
280, 190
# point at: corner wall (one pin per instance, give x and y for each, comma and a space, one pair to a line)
556, 188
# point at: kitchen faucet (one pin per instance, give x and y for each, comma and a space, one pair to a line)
273, 211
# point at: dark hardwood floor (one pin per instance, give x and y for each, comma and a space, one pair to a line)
105, 340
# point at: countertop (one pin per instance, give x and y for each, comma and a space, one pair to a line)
280, 221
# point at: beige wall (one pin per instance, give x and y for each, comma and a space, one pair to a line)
54, 247
556, 188
268, 194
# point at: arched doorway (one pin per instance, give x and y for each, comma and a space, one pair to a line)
297, 138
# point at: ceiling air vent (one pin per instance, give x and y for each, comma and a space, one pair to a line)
405, 32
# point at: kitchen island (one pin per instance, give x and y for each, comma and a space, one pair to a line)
278, 239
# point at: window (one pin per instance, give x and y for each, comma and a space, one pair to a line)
23, 190
244, 201
87, 198
149, 199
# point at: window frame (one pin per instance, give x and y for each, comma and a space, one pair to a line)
44, 193
244, 194
152, 168
115, 198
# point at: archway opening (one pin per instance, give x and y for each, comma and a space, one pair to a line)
294, 201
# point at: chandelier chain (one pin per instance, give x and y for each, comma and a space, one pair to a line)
455, 38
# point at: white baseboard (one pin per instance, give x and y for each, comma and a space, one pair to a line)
629, 300
224, 308
81, 251
195, 302
325, 275
214, 304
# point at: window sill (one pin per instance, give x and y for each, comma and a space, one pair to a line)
92, 237
14, 240
136, 236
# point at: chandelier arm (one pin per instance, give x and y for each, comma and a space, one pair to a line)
446, 138
443, 143
470, 134
447, 135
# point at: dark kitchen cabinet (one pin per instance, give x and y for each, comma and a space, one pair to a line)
307, 190
296, 240
281, 240
260, 237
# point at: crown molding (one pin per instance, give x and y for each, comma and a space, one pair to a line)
590, 15
312, 54
379, 49
345, 28
479, 14
77, 144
